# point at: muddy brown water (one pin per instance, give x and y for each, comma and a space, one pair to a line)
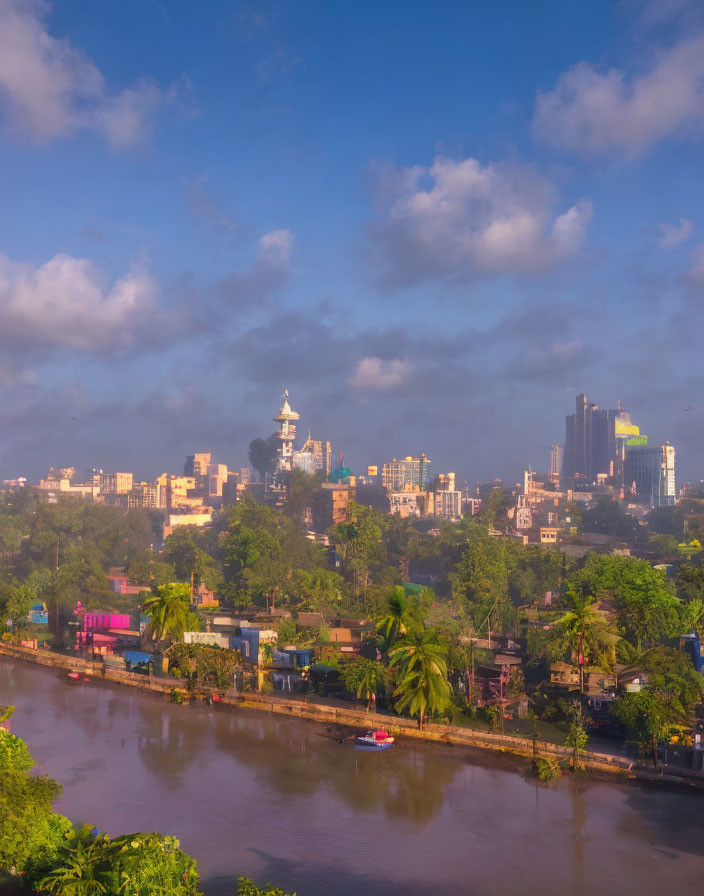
277, 799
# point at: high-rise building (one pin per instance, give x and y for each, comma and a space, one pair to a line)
197, 464
287, 433
407, 474
229, 488
114, 483
314, 457
216, 476
144, 494
557, 453
447, 501
595, 441
649, 472
330, 505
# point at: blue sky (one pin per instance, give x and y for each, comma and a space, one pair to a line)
433, 223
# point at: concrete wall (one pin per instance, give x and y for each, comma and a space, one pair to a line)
328, 713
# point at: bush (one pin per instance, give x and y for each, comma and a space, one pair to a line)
133, 865
547, 767
247, 887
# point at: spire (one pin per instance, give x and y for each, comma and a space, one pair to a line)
286, 412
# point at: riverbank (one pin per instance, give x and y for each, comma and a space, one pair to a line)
593, 763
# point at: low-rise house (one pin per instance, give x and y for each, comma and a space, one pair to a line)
212, 639
202, 596
310, 620
565, 675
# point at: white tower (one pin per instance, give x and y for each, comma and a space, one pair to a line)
286, 433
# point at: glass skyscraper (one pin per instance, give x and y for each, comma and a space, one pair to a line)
650, 472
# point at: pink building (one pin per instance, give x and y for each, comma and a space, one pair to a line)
103, 621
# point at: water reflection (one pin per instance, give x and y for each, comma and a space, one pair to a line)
579, 821
298, 759
669, 831
169, 741
271, 798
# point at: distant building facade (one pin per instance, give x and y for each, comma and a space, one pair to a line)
330, 505
197, 464
596, 441
313, 457
113, 483
650, 473
557, 454
406, 474
447, 500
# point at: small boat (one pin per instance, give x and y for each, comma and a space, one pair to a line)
75, 677
376, 740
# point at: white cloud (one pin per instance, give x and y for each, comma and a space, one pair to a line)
375, 373
591, 112
460, 217
64, 304
49, 89
274, 249
269, 273
672, 235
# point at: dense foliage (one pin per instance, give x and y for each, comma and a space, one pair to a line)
605, 611
54, 858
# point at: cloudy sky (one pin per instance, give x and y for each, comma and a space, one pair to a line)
433, 223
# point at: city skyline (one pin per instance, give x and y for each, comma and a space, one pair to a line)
607, 463
434, 232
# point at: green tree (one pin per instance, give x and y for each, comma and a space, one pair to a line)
645, 713
397, 617
647, 609
609, 517
288, 633
168, 609
671, 692
247, 887
689, 582
321, 590
264, 554
577, 736
302, 488
24, 595
359, 543
420, 665
363, 677
662, 546
480, 583
145, 568
494, 508
671, 675
581, 632
30, 831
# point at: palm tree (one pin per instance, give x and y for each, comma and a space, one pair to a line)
420, 661
582, 631
168, 608
396, 620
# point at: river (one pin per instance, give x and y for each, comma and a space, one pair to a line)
276, 799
